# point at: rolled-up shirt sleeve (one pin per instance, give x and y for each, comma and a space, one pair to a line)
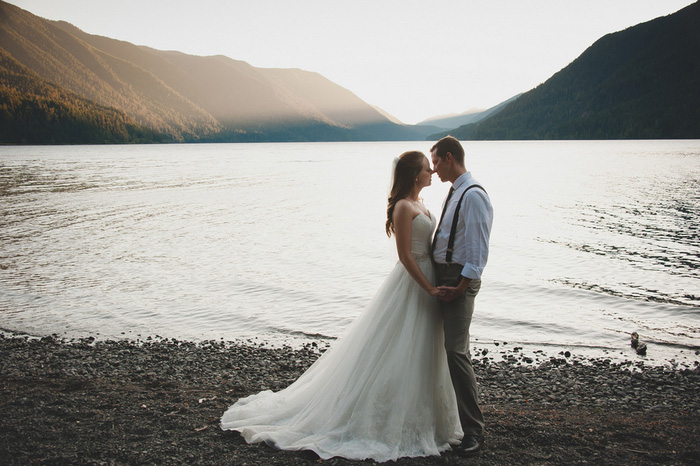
477, 215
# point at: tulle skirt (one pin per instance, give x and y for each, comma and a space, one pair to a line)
381, 391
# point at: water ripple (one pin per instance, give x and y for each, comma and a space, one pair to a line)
232, 240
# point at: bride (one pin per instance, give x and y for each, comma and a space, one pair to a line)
383, 389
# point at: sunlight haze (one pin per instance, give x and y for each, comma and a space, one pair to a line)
413, 59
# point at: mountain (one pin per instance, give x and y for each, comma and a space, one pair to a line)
468, 117
640, 83
387, 115
33, 110
186, 97
454, 120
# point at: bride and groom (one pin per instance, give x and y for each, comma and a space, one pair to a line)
399, 382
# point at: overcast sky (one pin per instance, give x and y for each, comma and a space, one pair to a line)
414, 59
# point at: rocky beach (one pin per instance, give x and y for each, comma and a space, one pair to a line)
158, 401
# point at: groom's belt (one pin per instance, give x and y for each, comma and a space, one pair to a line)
441, 268
448, 274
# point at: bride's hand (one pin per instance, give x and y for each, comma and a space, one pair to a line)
436, 292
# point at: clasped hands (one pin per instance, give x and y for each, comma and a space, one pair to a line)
447, 293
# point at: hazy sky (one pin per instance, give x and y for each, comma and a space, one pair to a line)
413, 58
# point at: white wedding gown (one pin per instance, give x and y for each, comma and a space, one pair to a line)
381, 391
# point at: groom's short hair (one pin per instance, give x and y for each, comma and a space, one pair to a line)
449, 144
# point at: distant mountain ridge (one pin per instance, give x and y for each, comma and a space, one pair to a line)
640, 83
468, 117
59, 85
191, 98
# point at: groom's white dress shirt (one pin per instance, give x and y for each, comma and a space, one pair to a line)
474, 225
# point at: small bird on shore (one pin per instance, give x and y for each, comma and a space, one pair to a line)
634, 339
642, 349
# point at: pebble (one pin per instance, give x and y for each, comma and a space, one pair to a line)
233, 369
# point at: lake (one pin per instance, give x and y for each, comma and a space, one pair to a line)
285, 243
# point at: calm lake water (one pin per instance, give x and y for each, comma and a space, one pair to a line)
285, 242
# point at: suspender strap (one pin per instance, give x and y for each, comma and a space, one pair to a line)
455, 219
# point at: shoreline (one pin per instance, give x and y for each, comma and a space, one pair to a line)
159, 401
526, 353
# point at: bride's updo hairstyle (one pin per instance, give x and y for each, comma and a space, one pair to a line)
408, 166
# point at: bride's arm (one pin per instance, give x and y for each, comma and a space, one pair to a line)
403, 223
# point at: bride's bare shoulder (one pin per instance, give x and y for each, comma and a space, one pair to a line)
403, 204
404, 209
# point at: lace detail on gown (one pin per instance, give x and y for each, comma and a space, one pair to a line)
382, 390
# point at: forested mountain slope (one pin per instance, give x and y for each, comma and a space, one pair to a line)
639, 83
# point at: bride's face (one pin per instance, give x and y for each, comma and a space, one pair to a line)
425, 175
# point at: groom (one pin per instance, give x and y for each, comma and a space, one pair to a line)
460, 251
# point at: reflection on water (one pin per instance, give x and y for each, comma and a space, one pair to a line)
591, 241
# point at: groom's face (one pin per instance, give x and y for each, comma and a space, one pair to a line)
438, 165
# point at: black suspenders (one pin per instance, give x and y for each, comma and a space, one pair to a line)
455, 219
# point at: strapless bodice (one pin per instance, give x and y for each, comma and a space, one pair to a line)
422, 236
